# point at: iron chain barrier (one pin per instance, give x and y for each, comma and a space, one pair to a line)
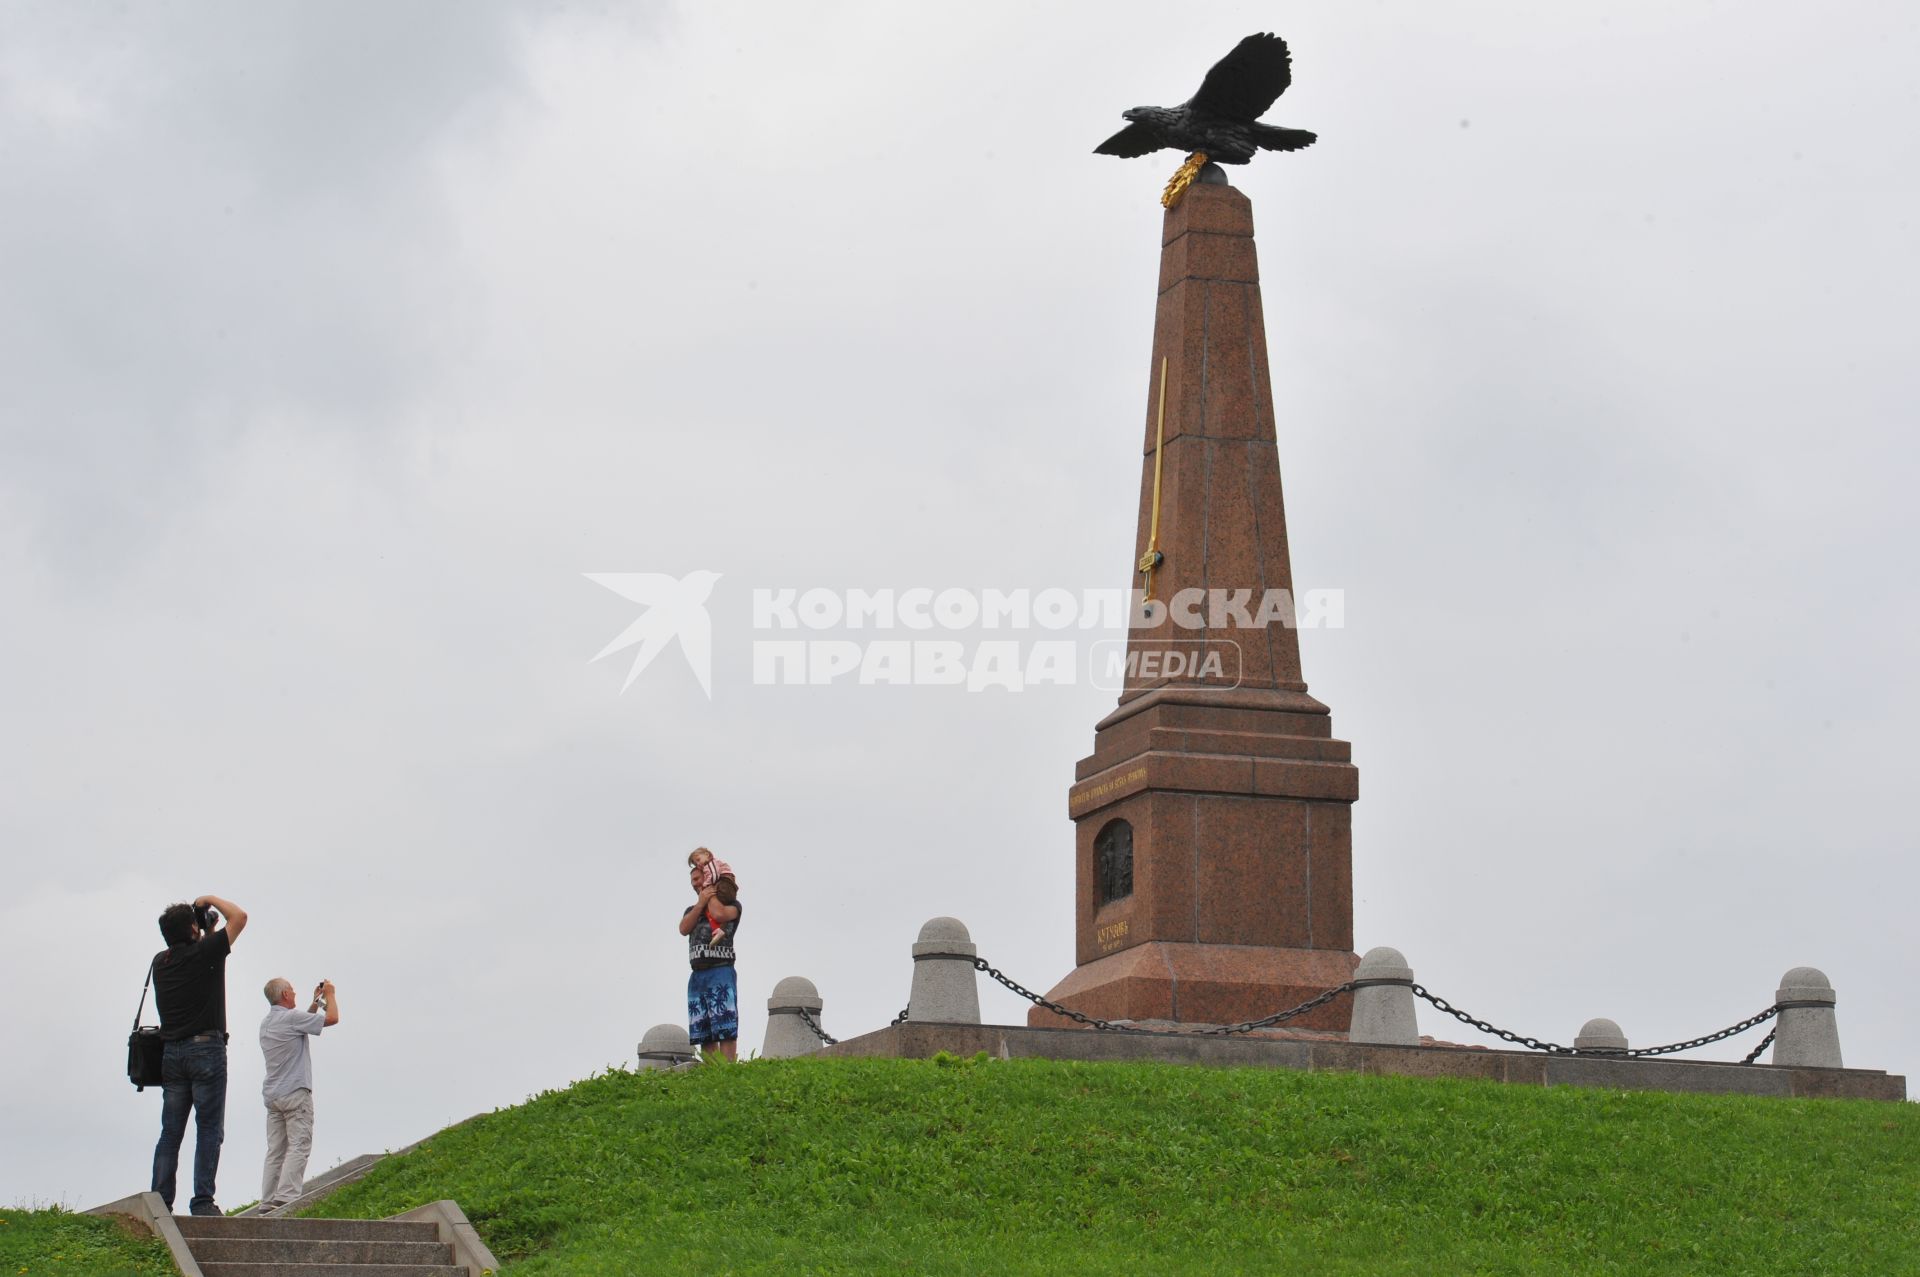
1287, 1014
981, 964
1727, 1032
1554, 1048
1439, 1003
806, 1018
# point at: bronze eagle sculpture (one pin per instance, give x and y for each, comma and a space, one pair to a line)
1222, 121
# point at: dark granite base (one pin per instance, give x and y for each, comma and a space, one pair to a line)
1204, 984
918, 1041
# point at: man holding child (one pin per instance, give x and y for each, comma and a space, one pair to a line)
709, 923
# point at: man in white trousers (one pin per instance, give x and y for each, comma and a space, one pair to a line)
288, 1088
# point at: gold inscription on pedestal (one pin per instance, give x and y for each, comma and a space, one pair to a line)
1111, 936
1106, 787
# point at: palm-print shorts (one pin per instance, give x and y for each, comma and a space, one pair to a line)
713, 1011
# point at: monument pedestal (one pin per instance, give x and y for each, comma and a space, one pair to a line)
1214, 817
1203, 984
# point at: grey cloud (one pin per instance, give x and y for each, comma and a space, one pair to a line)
1596, 409
223, 215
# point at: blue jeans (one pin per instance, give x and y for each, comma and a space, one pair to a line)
194, 1076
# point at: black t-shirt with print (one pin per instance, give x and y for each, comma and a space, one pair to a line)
190, 987
707, 948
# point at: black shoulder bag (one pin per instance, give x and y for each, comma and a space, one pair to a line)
144, 1045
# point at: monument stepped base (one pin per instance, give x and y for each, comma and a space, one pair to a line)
1204, 984
918, 1041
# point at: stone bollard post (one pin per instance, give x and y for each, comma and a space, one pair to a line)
1383, 1004
944, 990
1808, 1035
787, 1034
1600, 1037
665, 1045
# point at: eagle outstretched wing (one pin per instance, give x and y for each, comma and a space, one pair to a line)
1135, 139
1245, 83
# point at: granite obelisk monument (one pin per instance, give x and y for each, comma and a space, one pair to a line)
1213, 820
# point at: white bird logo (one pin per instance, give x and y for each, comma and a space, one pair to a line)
675, 609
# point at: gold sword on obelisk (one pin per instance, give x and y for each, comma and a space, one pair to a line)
1153, 558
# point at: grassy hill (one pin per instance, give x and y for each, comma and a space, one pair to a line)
978, 1166
34, 1242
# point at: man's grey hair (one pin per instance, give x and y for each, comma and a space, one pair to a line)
276, 987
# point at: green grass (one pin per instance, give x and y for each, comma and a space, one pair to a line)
58, 1241
1034, 1166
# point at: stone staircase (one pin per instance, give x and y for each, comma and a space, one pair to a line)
260, 1247
434, 1240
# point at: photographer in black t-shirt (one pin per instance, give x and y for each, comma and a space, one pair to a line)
190, 991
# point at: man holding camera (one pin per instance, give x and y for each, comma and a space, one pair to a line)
190, 992
288, 1088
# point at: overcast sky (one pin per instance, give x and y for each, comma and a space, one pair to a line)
338, 342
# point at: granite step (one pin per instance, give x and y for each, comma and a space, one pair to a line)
316, 1250
267, 1247
330, 1270
272, 1228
